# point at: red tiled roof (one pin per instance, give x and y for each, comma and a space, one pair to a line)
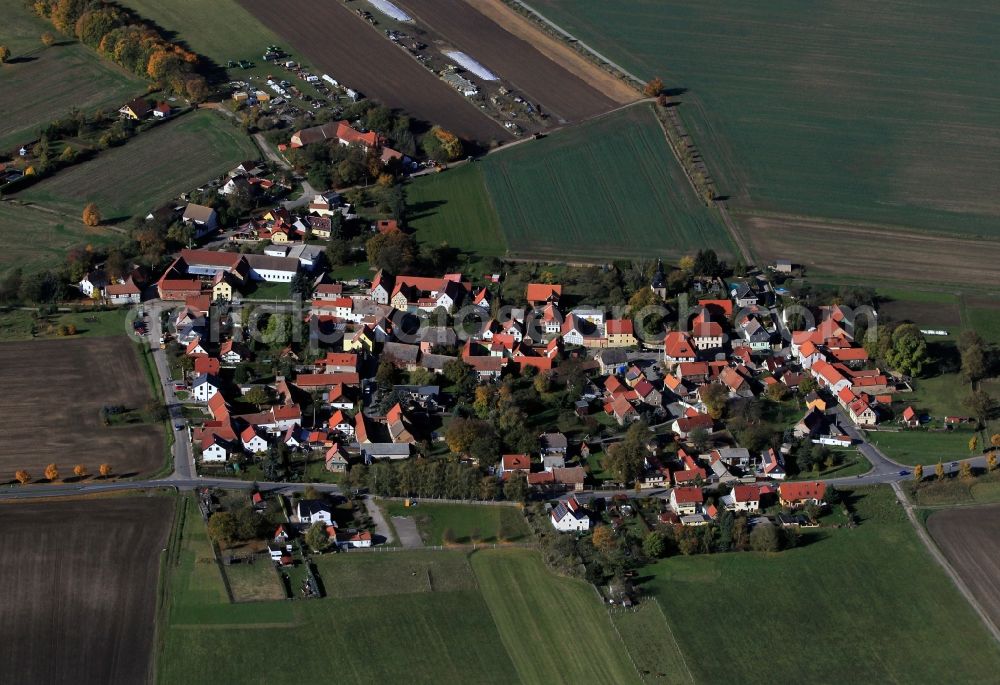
688, 495
678, 345
797, 492
516, 462
540, 292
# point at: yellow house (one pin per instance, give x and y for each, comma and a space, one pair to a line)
279, 236
136, 109
360, 341
399, 301
817, 403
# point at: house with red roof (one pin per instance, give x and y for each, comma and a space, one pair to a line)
706, 334
910, 418
620, 333
799, 494
743, 498
540, 294
686, 500
678, 347
514, 463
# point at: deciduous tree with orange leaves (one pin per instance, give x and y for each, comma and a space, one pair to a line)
22, 476
653, 87
91, 215
52, 472
104, 470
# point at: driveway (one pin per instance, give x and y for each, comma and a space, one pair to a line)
382, 527
406, 529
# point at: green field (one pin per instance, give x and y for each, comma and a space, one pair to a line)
35, 239
151, 169
609, 187
454, 208
868, 604
19, 324
487, 523
923, 447
416, 617
983, 489
533, 611
43, 84
652, 645
886, 113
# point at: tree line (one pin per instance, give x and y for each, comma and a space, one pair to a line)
123, 37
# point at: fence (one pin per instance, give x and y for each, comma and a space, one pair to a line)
435, 500
438, 548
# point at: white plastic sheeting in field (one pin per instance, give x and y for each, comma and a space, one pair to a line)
472, 65
390, 10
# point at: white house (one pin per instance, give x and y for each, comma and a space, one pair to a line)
743, 498
313, 511
686, 500
205, 387
93, 282
214, 449
204, 219
252, 442
569, 516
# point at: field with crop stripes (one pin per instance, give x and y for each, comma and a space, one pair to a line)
885, 113
609, 187
149, 169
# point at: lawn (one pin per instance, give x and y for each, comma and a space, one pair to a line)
149, 170
985, 321
19, 324
811, 109
923, 447
411, 636
468, 522
651, 644
453, 207
269, 291
852, 463
394, 573
868, 603
938, 396
42, 84
606, 188
533, 609
35, 239
983, 489
255, 582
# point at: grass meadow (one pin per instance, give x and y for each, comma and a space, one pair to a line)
35, 239
868, 602
924, 447
468, 522
150, 169
43, 83
608, 187
533, 610
415, 616
453, 207
887, 114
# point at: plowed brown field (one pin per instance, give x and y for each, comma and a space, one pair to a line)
78, 589
533, 62
970, 539
871, 251
51, 394
344, 46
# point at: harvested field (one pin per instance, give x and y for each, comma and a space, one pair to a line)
510, 46
54, 393
873, 251
345, 47
970, 539
78, 589
150, 169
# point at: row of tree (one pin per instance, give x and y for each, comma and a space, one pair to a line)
127, 40
52, 473
435, 479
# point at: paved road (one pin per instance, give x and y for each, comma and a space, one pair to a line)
184, 468
382, 526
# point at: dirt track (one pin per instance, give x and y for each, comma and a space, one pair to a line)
53, 391
78, 589
873, 252
970, 539
544, 70
344, 46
